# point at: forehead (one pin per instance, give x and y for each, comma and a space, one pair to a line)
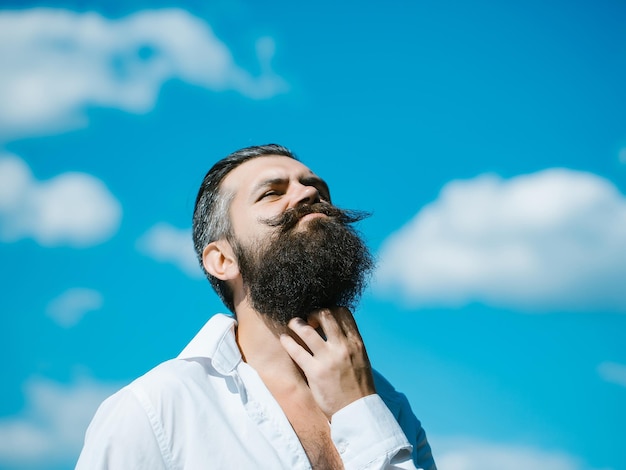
262, 168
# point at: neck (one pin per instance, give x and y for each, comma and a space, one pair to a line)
258, 341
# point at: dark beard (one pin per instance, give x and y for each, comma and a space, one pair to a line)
325, 265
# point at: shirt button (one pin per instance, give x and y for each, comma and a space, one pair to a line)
342, 447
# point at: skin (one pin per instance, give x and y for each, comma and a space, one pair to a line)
337, 370
311, 377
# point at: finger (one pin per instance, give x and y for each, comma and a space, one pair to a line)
297, 353
329, 324
350, 329
346, 322
315, 324
307, 334
312, 320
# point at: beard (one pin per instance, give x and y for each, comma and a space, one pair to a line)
295, 272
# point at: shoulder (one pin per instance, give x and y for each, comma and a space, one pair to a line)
161, 384
122, 434
142, 418
400, 407
173, 374
397, 402
178, 381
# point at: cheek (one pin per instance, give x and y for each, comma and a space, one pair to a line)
252, 232
241, 222
248, 224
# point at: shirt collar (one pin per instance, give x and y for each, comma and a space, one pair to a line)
216, 341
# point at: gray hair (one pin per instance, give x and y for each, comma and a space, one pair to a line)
211, 218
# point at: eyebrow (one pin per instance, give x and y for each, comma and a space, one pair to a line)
309, 180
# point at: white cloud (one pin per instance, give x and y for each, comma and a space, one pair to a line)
72, 305
73, 209
55, 62
51, 428
552, 240
613, 372
169, 244
469, 454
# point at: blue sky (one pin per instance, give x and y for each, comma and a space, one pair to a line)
488, 139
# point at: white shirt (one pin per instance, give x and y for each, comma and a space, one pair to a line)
209, 409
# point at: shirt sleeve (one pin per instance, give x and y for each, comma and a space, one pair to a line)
368, 437
121, 436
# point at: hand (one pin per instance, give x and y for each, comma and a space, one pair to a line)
337, 369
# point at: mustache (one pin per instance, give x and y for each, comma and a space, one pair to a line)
290, 218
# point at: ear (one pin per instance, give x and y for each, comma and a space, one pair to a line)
219, 260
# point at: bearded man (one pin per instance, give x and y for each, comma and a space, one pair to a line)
284, 383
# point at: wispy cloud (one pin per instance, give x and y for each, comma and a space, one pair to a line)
613, 372
471, 454
50, 430
72, 305
74, 209
552, 240
168, 244
56, 62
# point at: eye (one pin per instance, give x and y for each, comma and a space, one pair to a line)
268, 194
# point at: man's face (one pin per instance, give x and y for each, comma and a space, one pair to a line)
264, 188
296, 252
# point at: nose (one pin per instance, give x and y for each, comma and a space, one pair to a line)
305, 195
